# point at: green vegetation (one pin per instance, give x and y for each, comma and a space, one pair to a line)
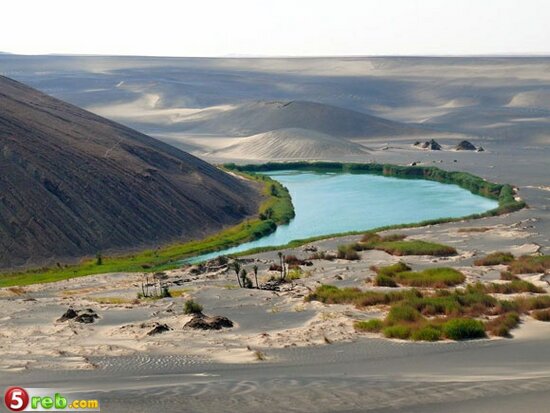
530, 264
501, 325
474, 229
399, 331
431, 277
295, 274
402, 313
397, 245
382, 280
463, 329
447, 314
495, 258
415, 247
347, 252
275, 210
400, 273
526, 304
513, 287
508, 276
541, 315
192, 307
330, 294
373, 326
426, 333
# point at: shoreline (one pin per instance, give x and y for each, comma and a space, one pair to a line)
280, 208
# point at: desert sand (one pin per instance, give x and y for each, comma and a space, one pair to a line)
284, 354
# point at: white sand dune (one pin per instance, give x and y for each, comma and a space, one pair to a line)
258, 117
539, 99
290, 143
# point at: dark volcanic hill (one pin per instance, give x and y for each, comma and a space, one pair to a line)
73, 183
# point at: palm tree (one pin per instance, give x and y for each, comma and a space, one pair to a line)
255, 269
281, 262
236, 265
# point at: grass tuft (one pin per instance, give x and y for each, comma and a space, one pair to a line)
495, 258
463, 329
502, 325
541, 315
372, 326
398, 331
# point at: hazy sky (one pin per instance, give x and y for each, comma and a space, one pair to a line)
276, 27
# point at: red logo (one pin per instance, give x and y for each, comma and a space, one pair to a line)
16, 399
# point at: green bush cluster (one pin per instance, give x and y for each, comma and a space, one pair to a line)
443, 314
495, 258
192, 307
401, 274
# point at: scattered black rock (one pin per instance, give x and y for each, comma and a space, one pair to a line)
480, 149
416, 143
432, 145
465, 146
86, 316
413, 164
68, 315
159, 329
203, 322
272, 285
310, 248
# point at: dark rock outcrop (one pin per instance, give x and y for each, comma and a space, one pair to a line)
68, 315
87, 316
432, 145
203, 322
158, 329
73, 183
465, 146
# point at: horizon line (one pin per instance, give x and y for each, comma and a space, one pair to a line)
245, 56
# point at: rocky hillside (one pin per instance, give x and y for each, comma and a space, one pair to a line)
73, 183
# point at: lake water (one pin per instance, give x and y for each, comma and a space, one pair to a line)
330, 203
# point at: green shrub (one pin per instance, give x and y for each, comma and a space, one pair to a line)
530, 264
514, 287
192, 307
526, 304
397, 331
508, 276
348, 252
431, 277
393, 269
373, 326
463, 329
495, 258
426, 333
402, 313
384, 281
541, 315
295, 274
415, 247
329, 294
502, 325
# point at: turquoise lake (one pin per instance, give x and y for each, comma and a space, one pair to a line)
329, 203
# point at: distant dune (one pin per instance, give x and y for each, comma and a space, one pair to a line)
259, 117
73, 183
291, 143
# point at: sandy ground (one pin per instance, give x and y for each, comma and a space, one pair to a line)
500, 103
279, 345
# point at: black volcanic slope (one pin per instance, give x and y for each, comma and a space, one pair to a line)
73, 183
